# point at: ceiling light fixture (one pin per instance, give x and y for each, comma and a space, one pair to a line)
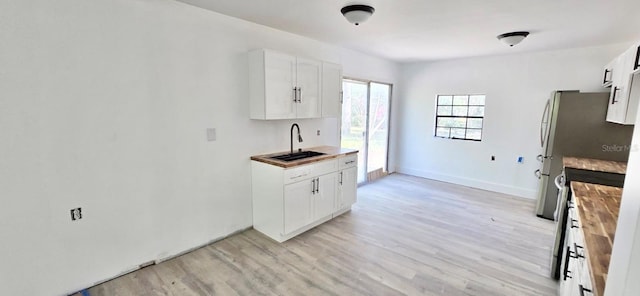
513, 38
357, 14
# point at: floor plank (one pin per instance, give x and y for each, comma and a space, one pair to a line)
405, 236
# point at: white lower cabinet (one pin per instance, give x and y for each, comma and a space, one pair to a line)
298, 205
347, 183
287, 202
575, 277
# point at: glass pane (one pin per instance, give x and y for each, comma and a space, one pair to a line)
461, 100
474, 123
442, 132
474, 134
444, 110
458, 133
476, 100
378, 126
444, 100
354, 117
476, 111
452, 122
460, 110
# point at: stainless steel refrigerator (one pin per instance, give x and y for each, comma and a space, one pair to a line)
574, 124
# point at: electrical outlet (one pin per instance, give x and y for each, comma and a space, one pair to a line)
318, 132
211, 134
76, 214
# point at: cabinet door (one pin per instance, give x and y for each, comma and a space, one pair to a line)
347, 192
280, 80
331, 90
308, 83
619, 110
298, 205
325, 195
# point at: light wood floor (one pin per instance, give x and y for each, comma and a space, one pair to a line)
406, 235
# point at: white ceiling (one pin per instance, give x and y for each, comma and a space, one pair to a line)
427, 30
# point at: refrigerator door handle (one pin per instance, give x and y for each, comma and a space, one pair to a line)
559, 180
543, 123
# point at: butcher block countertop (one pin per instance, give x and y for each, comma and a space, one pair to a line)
598, 207
330, 152
598, 165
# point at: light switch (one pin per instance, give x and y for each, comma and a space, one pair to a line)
211, 134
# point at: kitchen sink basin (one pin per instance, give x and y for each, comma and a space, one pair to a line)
297, 155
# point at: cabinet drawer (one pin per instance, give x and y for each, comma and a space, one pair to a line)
298, 173
348, 161
308, 171
325, 167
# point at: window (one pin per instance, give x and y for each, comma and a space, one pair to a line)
460, 117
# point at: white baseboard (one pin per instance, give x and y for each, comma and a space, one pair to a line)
475, 183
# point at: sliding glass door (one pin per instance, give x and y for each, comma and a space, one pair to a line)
365, 125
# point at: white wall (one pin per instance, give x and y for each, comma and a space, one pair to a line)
104, 106
517, 87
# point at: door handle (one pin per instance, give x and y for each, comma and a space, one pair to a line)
317, 185
637, 63
538, 174
615, 90
574, 225
295, 94
313, 186
559, 180
604, 80
567, 258
340, 178
299, 94
542, 123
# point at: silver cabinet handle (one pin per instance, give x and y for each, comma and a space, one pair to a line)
340, 178
538, 174
299, 94
313, 186
295, 94
317, 185
349, 162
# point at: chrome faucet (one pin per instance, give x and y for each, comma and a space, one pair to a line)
299, 136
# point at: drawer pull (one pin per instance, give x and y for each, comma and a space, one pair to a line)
313, 186
567, 272
578, 255
574, 225
583, 289
349, 162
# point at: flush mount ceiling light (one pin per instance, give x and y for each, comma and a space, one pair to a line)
357, 14
513, 38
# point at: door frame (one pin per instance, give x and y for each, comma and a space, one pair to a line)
366, 144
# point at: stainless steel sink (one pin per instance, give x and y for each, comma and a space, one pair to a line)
297, 155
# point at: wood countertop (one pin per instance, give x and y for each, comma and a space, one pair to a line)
598, 208
598, 165
329, 151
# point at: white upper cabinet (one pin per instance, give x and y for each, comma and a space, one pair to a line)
625, 92
331, 90
282, 86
